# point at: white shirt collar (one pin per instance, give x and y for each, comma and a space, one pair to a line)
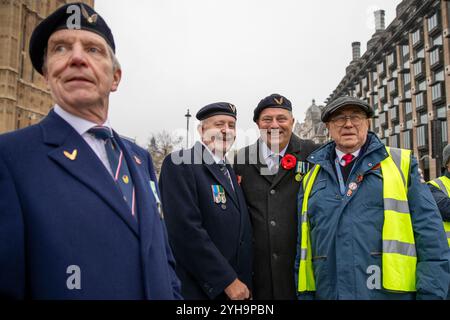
216, 158
267, 152
340, 154
79, 124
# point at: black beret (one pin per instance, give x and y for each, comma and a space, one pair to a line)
273, 101
63, 18
217, 108
341, 102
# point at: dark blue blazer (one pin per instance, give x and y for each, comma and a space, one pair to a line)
56, 213
212, 242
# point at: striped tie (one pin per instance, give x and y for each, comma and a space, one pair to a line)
119, 166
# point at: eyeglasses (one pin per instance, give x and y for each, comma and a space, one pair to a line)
355, 119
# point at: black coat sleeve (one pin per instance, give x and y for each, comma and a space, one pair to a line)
192, 246
442, 201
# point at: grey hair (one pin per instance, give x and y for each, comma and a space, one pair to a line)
115, 61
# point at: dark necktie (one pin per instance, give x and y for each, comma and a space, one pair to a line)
119, 166
348, 158
226, 173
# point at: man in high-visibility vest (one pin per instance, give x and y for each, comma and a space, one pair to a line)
368, 229
440, 189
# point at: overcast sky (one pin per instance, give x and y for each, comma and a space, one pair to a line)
179, 54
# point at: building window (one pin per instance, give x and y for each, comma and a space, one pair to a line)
420, 53
406, 78
393, 141
408, 108
422, 136
423, 118
391, 60
386, 133
381, 68
416, 37
444, 131
435, 57
441, 113
407, 139
395, 101
433, 22
392, 86
436, 41
421, 86
382, 93
394, 114
418, 69
382, 118
439, 76
405, 56
420, 101
436, 92
409, 124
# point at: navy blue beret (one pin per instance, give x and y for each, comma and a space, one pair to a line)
273, 101
63, 18
341, 102
217, 108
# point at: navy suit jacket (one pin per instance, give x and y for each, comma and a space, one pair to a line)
212, 242
56, 213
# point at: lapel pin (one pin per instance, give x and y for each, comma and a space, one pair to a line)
353, 186
138, 161
71, 156
125, 179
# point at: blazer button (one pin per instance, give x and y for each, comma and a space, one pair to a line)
272, 192
275, 256
273, 223
224, 207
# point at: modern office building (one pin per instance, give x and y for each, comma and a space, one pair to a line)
405, 76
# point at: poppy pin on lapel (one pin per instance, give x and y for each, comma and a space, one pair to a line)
71, 156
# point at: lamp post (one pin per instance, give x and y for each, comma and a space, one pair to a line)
188, 116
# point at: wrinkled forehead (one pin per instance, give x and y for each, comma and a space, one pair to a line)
72, 36
274, 112
221, 118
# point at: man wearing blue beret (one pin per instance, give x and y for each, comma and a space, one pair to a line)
206, 214
80, 213
270, 171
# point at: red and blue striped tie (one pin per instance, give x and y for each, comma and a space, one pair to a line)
119, 167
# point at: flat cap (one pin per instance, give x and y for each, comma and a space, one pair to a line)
73, 16
273, 101
346, 101
215, 109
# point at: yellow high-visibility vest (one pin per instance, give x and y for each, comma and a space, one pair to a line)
399, 257
443, 183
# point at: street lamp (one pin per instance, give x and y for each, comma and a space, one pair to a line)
188, 116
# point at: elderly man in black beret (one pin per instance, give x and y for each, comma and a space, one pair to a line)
206, 214
80, 213
270, 172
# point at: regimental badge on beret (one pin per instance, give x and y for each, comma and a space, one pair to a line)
92, 19
279, 101
233, 108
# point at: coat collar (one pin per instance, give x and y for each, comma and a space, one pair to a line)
372, 153
86, 167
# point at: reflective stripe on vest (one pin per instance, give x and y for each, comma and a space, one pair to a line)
399, 251
443, 183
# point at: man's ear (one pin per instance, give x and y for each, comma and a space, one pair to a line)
117, 76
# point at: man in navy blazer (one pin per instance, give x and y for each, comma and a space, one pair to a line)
206, 214
79, 206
